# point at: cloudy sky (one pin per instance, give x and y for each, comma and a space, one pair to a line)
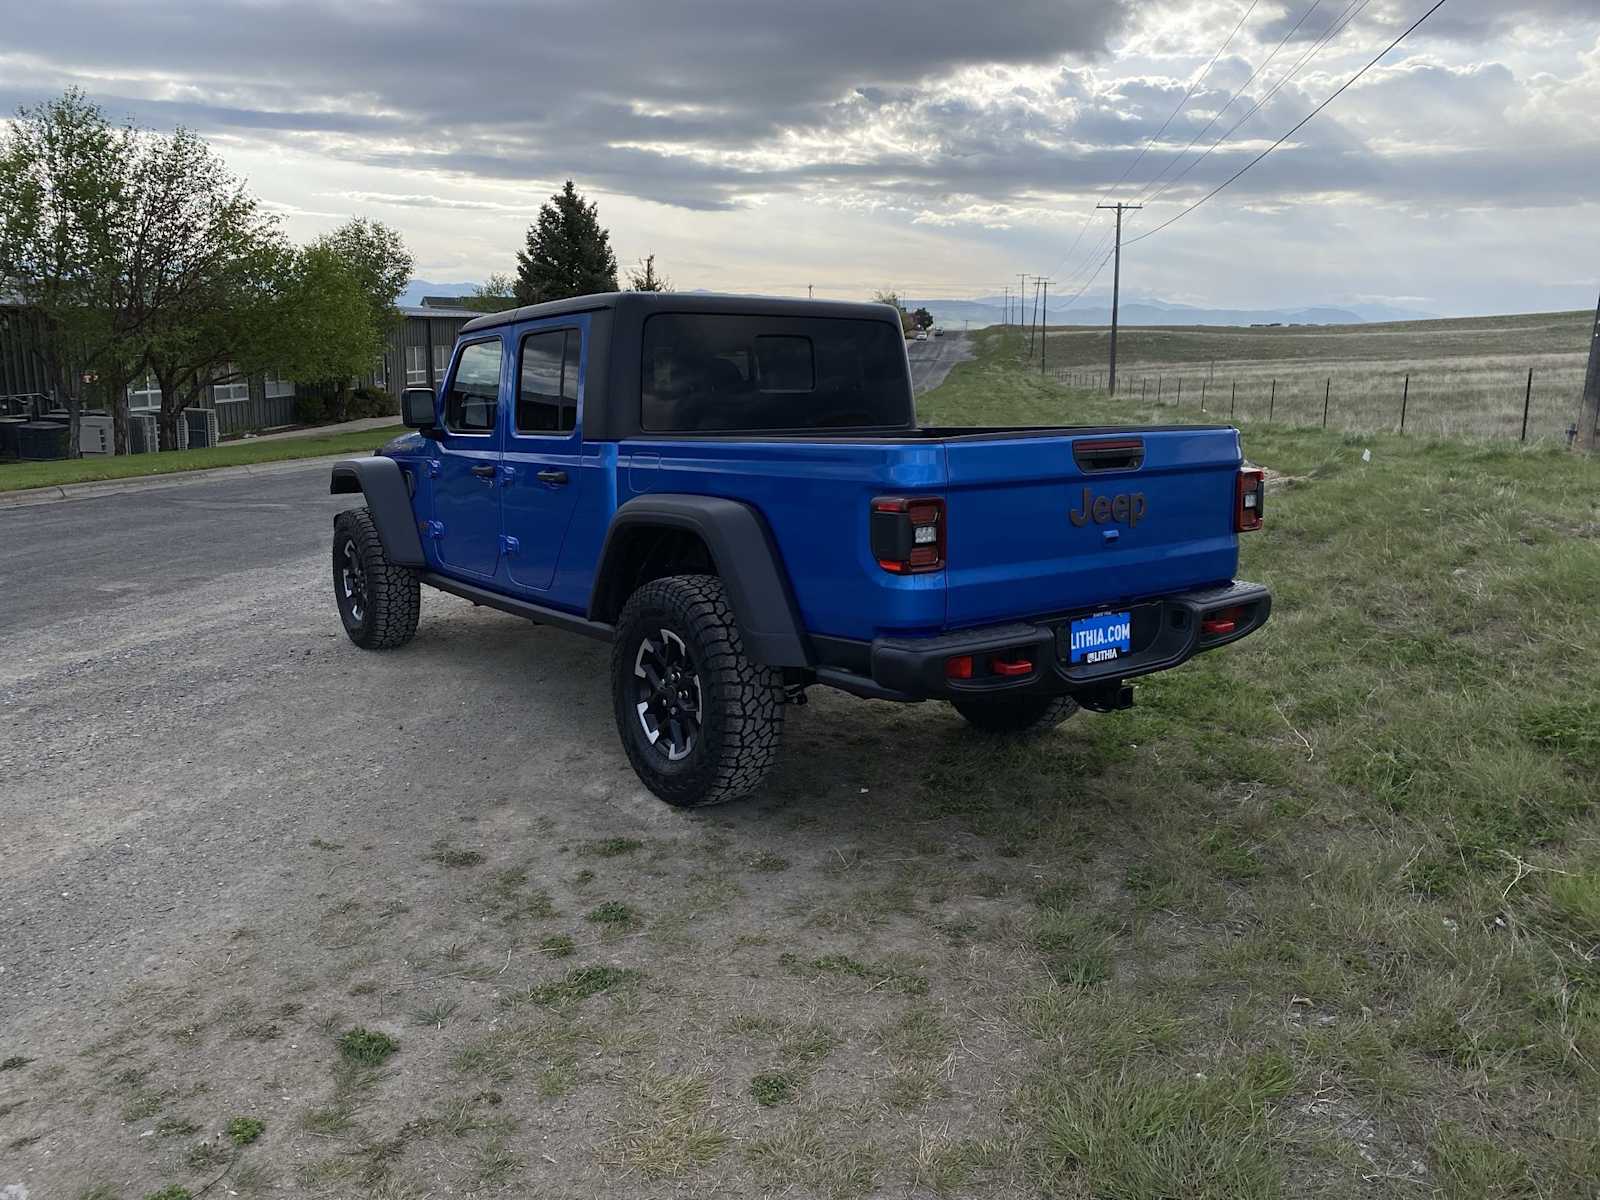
938, 148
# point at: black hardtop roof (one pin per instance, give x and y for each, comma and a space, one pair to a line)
639, 305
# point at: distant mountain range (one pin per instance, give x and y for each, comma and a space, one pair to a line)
1090, 310
1096, 310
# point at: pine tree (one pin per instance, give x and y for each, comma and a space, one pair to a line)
568, 252
643, 278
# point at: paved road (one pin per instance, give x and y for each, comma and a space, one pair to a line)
931, 360
86, 557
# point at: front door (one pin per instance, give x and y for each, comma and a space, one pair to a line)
542, 453
466, 495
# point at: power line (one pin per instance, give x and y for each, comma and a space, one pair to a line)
1238, 91
1172, 116
1335, 27
1301, 124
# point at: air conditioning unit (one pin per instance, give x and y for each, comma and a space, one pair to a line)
40, 440
9, 435
96, 434
202, 426
144, 433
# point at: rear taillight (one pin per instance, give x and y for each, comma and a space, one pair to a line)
908, 533
1251, 498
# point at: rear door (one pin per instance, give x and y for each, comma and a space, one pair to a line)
466, 495
1059, 523
542, 454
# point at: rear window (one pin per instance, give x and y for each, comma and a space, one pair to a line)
753, 373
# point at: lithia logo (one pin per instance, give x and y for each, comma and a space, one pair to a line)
1124, 507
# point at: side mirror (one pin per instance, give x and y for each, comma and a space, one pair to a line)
416, 408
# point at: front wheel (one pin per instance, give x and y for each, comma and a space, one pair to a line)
1016, 714
378, 599
700, 722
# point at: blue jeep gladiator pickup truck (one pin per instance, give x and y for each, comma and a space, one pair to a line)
734, 492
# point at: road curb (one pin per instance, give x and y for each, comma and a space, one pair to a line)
31, 497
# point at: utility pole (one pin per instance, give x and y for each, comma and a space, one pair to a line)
1006, 311
1589, 414
1116, 284
808, 291
1033, 321
1043, 322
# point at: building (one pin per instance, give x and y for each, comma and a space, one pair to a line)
417, 354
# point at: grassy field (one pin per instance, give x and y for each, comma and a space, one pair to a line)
1318, 918
1360, 881
15, 476
1468, 377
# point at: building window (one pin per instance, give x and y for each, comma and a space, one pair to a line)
380, 373
416, 366
277, 385
441, 361
144, 392
237, 388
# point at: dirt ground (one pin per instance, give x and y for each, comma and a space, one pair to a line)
237, 848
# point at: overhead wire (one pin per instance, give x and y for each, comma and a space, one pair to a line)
1335, 27
1238, 91
1172, 116
1299, 125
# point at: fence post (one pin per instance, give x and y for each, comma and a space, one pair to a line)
1144, 389
1203, 383
1233, 399
1404, 397
1272, 400
1326, 393
1179, 400
1527, 399
1158, 389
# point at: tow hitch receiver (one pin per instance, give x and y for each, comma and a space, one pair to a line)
1106, 697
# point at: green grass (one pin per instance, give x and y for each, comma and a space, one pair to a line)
18, 475
1355, 854
366, 1047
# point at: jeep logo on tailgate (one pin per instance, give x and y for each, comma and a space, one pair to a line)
1123, 507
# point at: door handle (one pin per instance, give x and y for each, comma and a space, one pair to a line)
486, 472
556, 477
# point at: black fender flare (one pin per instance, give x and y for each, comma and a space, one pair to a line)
746, 559
383, 484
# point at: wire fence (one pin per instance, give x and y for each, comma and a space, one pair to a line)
1525, 401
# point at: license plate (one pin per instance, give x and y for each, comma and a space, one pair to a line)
1101, 637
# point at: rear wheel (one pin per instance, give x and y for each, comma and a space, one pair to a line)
378, 600
1016, 714
700, 722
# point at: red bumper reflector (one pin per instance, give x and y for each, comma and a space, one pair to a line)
1222, 622
958, 668
1013, 669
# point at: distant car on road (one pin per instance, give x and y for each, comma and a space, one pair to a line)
938, 331
922, 335
734, 493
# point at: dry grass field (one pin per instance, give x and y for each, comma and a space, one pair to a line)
1468, 377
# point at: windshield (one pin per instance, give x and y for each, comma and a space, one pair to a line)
772, 373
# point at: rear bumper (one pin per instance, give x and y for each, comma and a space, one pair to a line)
1167, 631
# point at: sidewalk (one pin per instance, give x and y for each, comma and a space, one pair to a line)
56, 494
324, 430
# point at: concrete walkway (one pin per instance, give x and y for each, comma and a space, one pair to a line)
325, 430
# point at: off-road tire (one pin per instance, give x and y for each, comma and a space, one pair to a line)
1016, 714
741, 703
385, 616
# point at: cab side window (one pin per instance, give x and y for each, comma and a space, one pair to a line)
547, 382
474, 395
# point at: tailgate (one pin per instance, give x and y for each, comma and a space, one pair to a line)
1060, 522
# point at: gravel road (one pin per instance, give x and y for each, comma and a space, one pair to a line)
229, 835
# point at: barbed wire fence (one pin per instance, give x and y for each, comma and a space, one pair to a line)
1516, 403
